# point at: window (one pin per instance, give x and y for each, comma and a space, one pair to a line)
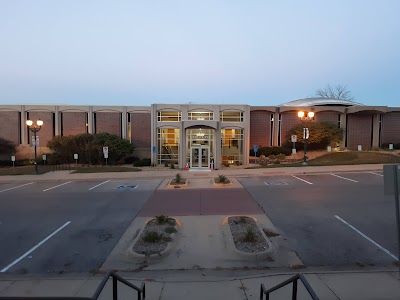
232, 146
169, 116
168, 145
201, 116
231, 116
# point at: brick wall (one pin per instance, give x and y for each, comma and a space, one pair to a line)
109, 122
391, 128
141, 130
73, 123
47, 132
9, 129
260, 128
289, 120
329, 116
359, 130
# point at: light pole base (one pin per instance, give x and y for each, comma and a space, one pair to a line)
304, 163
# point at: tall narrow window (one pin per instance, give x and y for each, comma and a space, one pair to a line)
271, 133
279, 129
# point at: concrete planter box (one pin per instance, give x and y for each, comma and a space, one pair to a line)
172, 185
255, 256
214, 183
155, 256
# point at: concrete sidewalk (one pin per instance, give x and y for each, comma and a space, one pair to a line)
212, 284
169, 173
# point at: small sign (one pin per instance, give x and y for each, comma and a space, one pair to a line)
35, 142
294, 151
255, 148
294, 138
106, 155
390, 146
359, 148
76, 156
44, 156
13, 158
154, 149
306, 134
329, 148
105, 150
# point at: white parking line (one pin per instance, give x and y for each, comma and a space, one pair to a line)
56, 186
344, 178
367, 238
376, 174
15, 187
302, 179
34, 248
98, 185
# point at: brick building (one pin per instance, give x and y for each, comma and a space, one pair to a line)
199, 135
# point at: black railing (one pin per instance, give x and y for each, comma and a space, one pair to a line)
293, 280
141, 292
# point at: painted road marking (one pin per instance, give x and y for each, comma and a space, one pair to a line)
15, 187
276, 183
56, 186
34, 248
98, 185
366, 237
344, 178
302, 179
376, 174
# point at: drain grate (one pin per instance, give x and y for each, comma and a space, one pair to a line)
126, 187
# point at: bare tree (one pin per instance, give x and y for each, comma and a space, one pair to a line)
338, 92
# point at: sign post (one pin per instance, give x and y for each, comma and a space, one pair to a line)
255, 148
76, 159
13, 161
294, 140
105, 152
44, 158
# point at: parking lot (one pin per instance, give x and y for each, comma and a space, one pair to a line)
331, 219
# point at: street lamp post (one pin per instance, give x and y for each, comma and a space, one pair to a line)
35, 129
306, 117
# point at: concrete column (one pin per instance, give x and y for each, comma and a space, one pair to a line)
275, 129
24, 133
124, 123
343, 125
90, 120
57, 121
375, 130
217, 150
154, 134
182, 146
246, 137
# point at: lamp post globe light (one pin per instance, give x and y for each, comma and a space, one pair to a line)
305, 117
35, 129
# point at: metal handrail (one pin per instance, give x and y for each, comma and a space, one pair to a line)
293, 280
141, 291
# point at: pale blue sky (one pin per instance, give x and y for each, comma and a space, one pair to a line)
250, 52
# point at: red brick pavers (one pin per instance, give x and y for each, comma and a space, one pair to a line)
196, 202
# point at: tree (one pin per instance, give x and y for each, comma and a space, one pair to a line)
322, 134
338, 92
89, 147
6, 147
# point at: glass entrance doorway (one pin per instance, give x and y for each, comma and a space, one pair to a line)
199, 157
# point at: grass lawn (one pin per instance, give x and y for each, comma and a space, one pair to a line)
25, 170
354, 158
102, 169
344, 158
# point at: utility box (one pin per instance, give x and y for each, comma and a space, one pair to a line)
389, 175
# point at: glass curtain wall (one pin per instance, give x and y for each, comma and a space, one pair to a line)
232, 146
168, 145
